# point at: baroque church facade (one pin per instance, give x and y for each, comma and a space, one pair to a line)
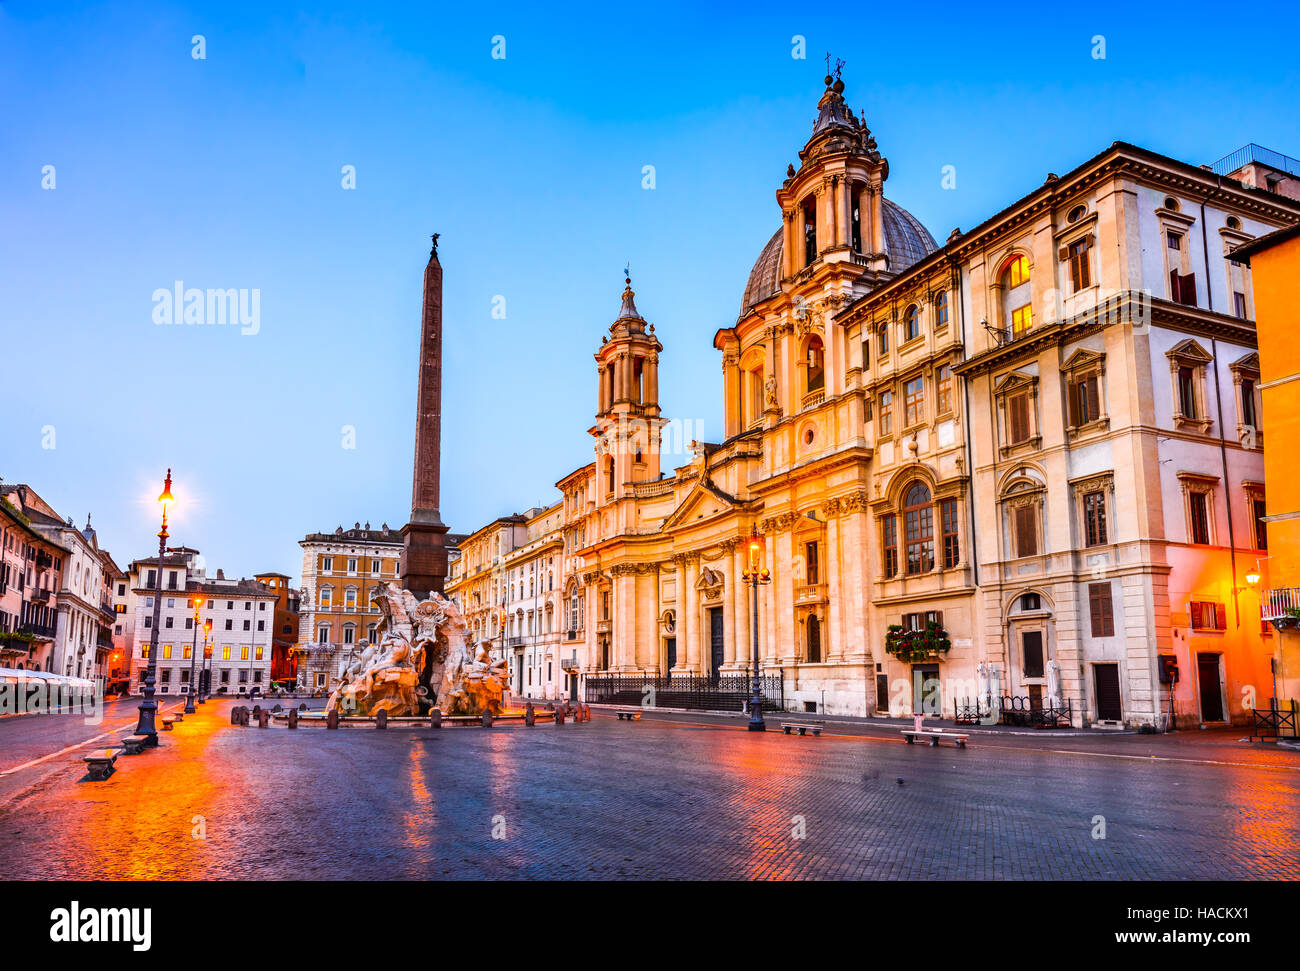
1034, 446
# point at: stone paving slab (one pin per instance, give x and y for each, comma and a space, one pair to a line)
659, 798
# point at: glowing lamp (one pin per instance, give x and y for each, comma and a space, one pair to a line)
166, 497
1252, 577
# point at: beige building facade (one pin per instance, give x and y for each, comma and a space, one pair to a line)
1021, 468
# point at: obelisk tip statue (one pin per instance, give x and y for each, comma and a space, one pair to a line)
424, 557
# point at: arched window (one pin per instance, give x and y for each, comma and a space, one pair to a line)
816, 361
1017, 297
911, 323
918, 528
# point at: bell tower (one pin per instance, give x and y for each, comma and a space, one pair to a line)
628, 422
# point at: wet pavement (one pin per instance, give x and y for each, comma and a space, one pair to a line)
670, 796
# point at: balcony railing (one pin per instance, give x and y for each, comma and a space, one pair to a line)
1278, 601
40, 596
810, 593
38, 630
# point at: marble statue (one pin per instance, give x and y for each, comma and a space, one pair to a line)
1054, 684
421, 660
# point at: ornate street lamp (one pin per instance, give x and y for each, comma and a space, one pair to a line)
194, 659
148, 707
755, 575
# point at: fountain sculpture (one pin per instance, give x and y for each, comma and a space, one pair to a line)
422, 659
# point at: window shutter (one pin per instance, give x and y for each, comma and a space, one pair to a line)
1094, 611
1026, 535
1189, 288
1019, 406
1220, 617
1090, 388
1195, 609
1173, 287
1072, 400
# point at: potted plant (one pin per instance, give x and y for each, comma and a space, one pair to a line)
911, 646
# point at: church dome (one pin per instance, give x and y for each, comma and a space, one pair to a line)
906, 242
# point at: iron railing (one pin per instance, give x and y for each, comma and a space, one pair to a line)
1013, 710
1278, 601
1275, 722
727, 692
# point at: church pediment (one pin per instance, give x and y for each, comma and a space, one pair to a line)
704, 501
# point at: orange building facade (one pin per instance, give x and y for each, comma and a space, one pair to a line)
1274, 262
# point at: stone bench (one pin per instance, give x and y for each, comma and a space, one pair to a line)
99, 764
133, 745
803, 727
911, 734
629, 714
168, 721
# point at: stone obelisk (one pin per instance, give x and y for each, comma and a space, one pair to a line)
424, 557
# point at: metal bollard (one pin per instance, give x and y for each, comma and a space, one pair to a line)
332, 719
559, 716
263, 719
487, 719
530, 716
435, 718
293, 718
381, 719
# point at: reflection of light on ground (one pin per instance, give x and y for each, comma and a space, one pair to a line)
419, 820
1263, 818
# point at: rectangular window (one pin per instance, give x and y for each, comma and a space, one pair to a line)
1026, 527
327, 564
1207, 615
1261, 526
352, 566
1022, 319
230, 624
1084, 403
889, 544
1174, 240
167, 652
1018, 419
167, 622
913, 402
941, 311
374, 566
1094, 519
189, 623
1032, 644
1248, 402
1187, 392
1080, 274
1198, 507
1239, 304
811, 572
1100, 610
882, 340
886, 418
243, 653
943, 385
948, 522
809, 232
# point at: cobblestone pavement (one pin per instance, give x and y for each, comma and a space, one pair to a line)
665, 797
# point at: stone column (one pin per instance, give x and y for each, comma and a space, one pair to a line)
743, 607
651, 396
729, 589
691, 622
780, 556
836, 592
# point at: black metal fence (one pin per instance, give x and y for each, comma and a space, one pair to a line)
1013, 710
729, 692
1275, 722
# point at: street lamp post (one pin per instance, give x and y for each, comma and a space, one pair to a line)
754, 576
205, 685
148, 706
194, 659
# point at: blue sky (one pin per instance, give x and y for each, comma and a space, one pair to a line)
225, 172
